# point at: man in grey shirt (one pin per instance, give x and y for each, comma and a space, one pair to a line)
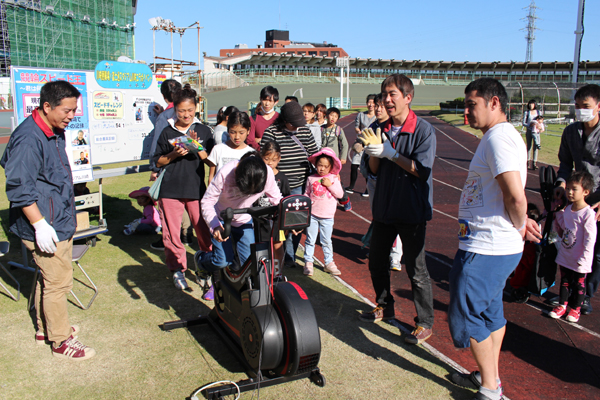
580, 148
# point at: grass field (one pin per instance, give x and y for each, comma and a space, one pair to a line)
550, 140
136, 360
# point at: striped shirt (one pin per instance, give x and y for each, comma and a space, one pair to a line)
294, 161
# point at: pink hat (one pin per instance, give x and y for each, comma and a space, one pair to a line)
337, 164
142, 192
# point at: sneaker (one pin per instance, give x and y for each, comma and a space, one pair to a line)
395, 266
308, 269
554, 301
187, 239
470, 381
289, 263
378, 314
520, 295
558, 312
158, 245
332, 269
210, 294
586, 307
349, 190
573, 315
179, 280
365, 194
348, 206
42, 338
418, 335
73, 349
128, 231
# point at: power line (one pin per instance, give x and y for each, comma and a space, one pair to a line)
530, 29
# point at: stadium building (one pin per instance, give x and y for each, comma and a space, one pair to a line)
73, 34
265, 66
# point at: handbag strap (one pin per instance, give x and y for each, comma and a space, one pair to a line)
295, 139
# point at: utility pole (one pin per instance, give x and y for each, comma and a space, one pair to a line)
578, 39
530, 29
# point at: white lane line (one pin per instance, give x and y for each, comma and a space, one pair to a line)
447, 184
451, 163
464, 169
582, 328
447, 215
455, 141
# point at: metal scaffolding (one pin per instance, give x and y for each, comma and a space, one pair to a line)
71, 34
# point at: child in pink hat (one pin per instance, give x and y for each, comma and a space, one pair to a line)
324, 189
150, 223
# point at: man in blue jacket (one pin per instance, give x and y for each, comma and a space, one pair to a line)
39, 187
403, 204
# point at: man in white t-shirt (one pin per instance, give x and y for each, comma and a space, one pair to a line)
492, 227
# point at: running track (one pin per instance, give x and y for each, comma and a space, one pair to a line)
541, 358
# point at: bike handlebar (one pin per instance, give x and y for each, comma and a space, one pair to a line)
227, 215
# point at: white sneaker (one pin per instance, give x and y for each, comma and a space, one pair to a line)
179, 280
395, 265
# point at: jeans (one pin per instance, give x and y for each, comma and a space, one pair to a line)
145, 229
533, 140
292, 241
325, 226
413, 239
222, 255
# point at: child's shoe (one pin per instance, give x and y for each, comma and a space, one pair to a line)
210, 294
348, 206
332, 269
128, 231
573, 315
308, 269
558, 312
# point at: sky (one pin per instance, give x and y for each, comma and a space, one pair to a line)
434, 30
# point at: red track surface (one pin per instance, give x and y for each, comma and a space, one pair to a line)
541, 358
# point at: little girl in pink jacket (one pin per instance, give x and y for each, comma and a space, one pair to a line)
324, 189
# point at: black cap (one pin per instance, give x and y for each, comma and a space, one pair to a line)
292, 112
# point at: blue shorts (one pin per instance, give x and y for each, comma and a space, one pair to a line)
476, 285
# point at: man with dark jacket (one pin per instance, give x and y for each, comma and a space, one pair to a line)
403, 203
578, 151
39, 187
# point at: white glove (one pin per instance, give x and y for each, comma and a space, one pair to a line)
45, 236
384, 150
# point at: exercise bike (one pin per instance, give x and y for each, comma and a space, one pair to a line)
269, 325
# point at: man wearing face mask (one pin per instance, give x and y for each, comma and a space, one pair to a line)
580, 150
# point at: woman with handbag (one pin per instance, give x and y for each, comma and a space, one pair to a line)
297, 143
182, 182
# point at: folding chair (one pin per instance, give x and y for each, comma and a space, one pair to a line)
79, 251
4, 248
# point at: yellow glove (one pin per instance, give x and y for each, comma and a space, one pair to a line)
367, 136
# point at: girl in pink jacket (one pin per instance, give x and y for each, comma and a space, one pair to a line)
576, 225
324, 189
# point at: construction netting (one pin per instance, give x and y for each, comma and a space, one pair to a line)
70, 34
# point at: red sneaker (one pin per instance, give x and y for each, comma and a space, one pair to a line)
558, 312
73, 349
42, 338
573, 315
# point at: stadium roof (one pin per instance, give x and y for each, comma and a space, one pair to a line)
266, 58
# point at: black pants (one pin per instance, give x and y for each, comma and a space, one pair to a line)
353, 175
573, 282
413, 244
